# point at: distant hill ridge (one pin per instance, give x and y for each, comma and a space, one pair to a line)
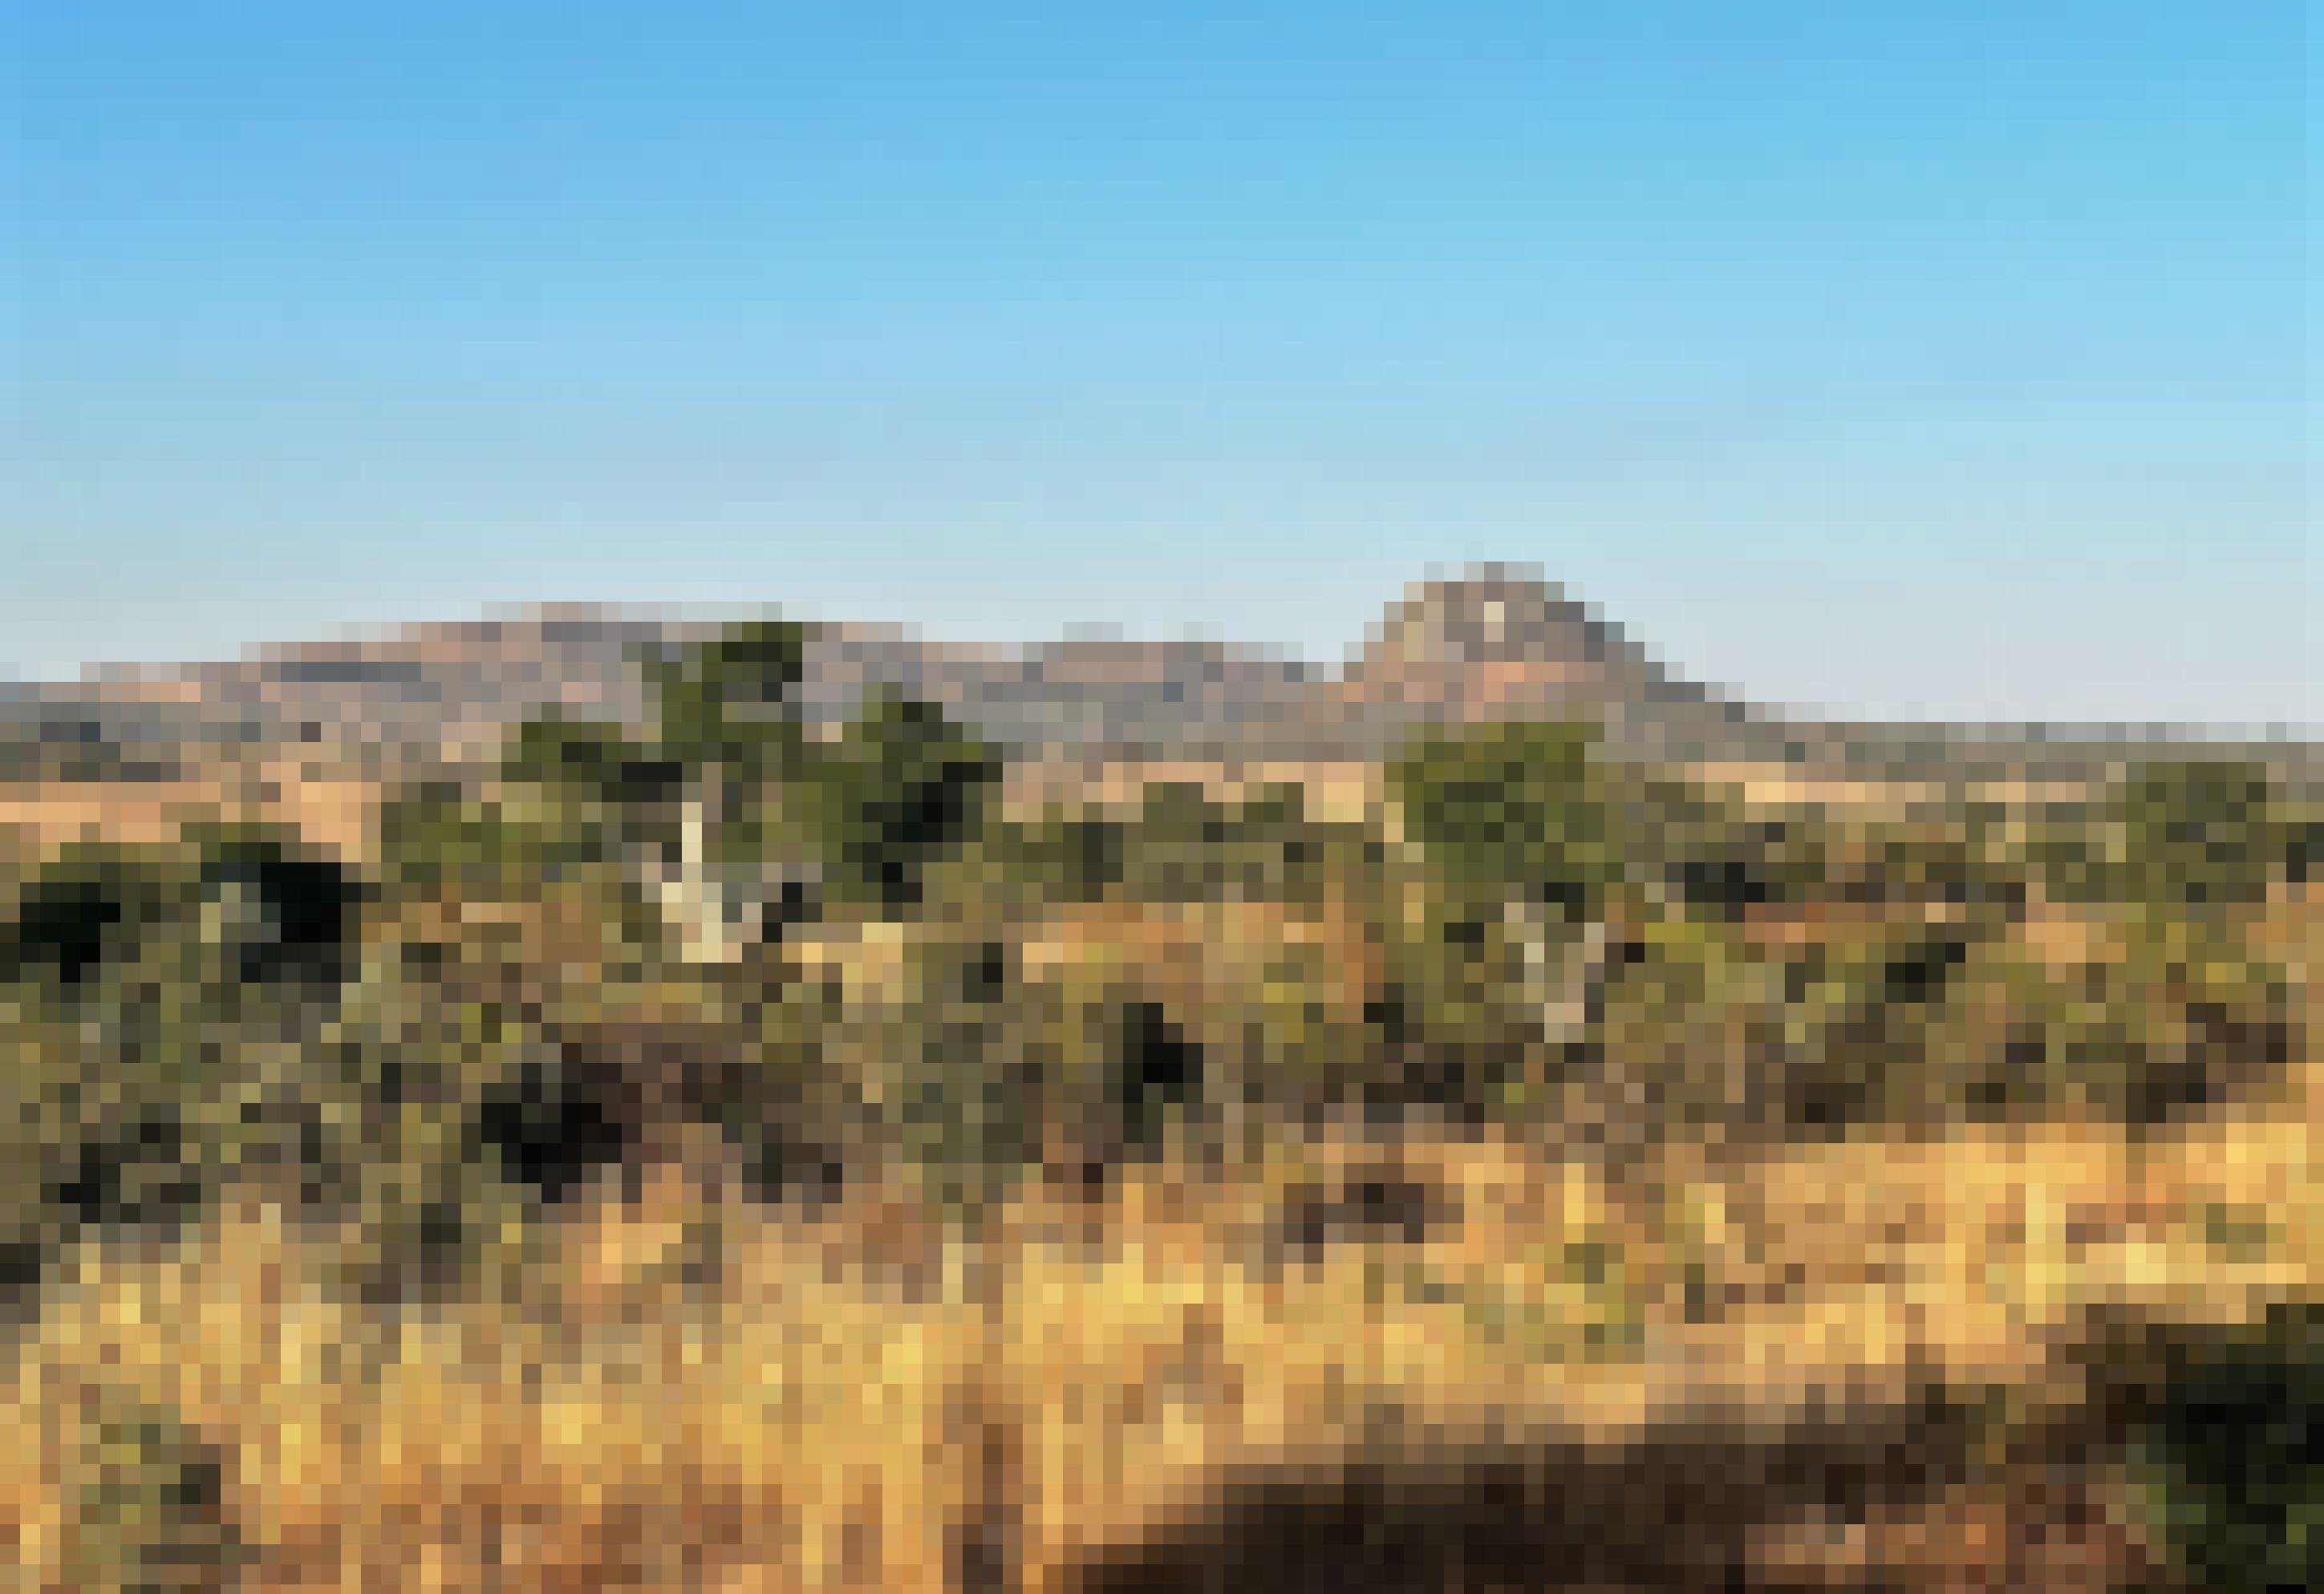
1497, 641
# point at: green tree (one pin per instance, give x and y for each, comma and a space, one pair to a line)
726, 730
584, 757
1511, 808
2199, 834
720, 705
432, 833
1490, 956
901, 787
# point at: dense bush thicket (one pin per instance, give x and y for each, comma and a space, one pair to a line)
2222, 1439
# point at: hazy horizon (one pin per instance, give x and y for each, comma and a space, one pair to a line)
1317, 666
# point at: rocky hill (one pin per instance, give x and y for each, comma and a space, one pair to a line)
1496, 641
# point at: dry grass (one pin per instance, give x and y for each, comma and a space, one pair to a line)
333, 813
845, 1390
809, 1416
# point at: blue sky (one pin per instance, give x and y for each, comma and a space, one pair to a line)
1903, 358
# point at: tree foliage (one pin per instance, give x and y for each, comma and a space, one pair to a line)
901, 788
1511, 807
2199, 834
721, 704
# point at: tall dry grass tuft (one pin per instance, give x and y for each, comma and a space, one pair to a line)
675, 1387
622, 1427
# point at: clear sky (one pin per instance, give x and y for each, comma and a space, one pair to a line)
1899, 357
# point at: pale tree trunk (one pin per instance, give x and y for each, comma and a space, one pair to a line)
1569, 984
696, 898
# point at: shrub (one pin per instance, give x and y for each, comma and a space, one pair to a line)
2198, 833
2226, 1444
434, 835
1515, 806
1058, 858
903, 787
94, 906
147, 1497
280, 910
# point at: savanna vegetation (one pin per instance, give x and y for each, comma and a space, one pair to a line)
734, 1151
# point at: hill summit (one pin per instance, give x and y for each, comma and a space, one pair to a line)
1499, 638
1499, 615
